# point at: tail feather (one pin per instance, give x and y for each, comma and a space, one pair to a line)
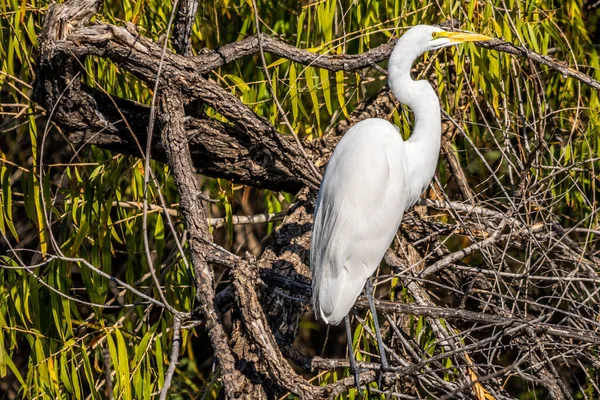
334, 297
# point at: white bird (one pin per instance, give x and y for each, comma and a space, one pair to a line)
372, 177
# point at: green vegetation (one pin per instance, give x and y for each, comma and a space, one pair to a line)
530, 146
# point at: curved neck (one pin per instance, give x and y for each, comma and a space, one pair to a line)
423, 146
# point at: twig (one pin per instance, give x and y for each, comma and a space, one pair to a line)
247, 219
147, 153
435, 267
108, 388
560, 67
519, 277
465, 315
176, 340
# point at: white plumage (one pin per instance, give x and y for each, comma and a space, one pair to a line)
372, 177
357, 216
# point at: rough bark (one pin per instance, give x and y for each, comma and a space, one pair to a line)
182, 29
180, 160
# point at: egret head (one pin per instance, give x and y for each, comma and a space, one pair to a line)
414, 42
424, 38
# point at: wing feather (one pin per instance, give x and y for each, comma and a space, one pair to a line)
359, 209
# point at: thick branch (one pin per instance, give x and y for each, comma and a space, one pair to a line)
141, 56
346, 62
219, 150
245, 282
180, 161
182, 28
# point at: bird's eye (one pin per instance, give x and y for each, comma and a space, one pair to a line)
440, 34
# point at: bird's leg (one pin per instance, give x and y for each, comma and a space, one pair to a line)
384, 362
353, 367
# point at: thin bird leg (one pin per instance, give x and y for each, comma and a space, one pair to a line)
369, 291
353, 367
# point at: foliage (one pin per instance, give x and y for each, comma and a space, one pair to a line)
63, 324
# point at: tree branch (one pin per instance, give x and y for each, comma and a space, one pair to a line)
219, 149
176, 329
182, 29
353, 62
558, 66
249, 46
175, 141
140, 56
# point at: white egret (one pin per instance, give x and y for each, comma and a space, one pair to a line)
372, 177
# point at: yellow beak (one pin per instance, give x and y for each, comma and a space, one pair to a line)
460, 37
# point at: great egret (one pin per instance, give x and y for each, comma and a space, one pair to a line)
372, 177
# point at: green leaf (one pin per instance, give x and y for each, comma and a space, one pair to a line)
6, 361
294, 91
6, 216
159, 236
160, 363
89, 375
326, 89
339, 82
123, 364
80, 237
312, 88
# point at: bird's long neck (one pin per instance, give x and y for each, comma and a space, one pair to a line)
423, 146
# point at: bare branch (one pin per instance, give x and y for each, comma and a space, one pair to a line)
175, 141
346, 62
353, 62
176, 343
560, 67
